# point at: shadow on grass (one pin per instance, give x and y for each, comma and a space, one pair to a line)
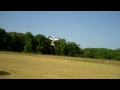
4, 73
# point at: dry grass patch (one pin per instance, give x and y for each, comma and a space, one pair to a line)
34, 66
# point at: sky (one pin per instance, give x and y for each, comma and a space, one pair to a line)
95, 29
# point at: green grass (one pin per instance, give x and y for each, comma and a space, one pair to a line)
34, 66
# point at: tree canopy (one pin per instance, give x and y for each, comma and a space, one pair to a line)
19, 42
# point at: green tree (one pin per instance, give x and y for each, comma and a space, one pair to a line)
72, 49
13, 41
28, 42
39, 43
20, 42
2, 39
60, 47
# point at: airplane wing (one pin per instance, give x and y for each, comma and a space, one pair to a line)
50, 38
55, 39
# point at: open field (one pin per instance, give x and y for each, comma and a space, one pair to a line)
34, 66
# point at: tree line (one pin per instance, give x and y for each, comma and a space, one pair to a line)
19, 42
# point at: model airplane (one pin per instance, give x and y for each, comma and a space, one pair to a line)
53, 39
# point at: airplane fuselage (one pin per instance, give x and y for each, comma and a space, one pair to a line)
52, 42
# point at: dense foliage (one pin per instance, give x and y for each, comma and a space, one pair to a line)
19, 42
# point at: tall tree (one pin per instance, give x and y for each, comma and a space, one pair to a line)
40, 43
28, 42
13, 41
60, 47
20, 42
2, 39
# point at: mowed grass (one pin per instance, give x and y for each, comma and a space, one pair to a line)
34, 66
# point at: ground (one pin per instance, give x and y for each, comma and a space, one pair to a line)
34, 66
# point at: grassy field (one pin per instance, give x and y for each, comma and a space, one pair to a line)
34, 66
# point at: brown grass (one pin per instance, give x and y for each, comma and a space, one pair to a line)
34, 66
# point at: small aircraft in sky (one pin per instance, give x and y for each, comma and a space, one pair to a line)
53, 39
